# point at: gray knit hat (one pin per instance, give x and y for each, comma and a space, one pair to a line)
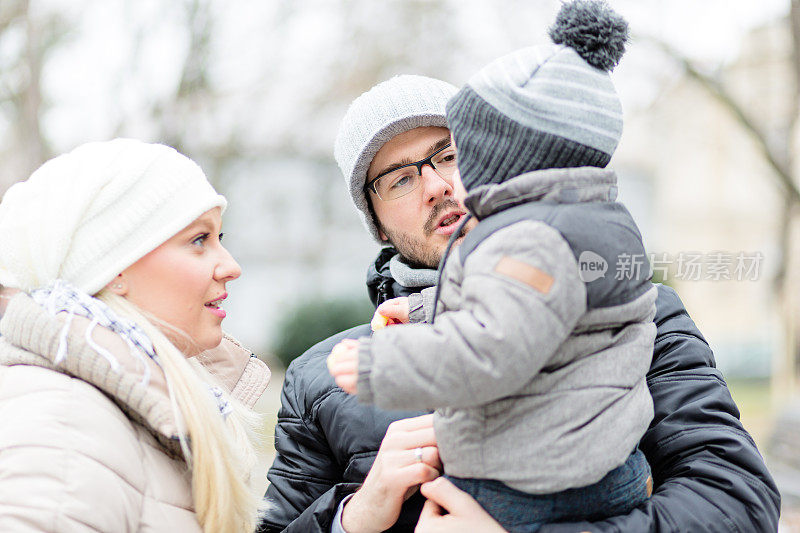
543, 107
390, 108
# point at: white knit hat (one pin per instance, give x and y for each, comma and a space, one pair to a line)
390, 108
87, 215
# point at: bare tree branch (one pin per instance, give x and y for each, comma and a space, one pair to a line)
10, 12
784, 244
794, 26
771, 153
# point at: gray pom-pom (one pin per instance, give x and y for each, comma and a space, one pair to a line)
594, 30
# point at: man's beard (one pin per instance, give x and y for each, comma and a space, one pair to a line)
416, 251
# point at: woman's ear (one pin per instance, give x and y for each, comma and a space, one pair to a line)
118, 285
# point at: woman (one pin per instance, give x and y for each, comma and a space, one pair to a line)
109, 421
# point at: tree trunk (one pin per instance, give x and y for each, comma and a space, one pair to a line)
31, 97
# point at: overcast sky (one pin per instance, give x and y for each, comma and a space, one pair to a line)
95, 70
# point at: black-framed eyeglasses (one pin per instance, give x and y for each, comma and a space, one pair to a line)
393, 184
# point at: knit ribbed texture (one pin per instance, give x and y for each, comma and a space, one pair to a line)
87, 215
411, 276
536, 108
388, 109
493, 148
31, 337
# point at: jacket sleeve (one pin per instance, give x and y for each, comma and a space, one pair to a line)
520, 296
420, 305
305, 478
707, 471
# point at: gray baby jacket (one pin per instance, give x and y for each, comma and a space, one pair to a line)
537, 358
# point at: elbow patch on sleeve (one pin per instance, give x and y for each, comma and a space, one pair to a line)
523, 272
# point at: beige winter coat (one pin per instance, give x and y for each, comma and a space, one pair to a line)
84, 448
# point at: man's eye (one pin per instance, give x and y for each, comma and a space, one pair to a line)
401, 181
448, 157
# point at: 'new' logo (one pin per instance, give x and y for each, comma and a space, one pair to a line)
591, 266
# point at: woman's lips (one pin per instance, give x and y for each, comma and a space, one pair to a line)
218, 311
214, 306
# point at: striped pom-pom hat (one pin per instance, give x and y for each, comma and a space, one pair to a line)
541, 107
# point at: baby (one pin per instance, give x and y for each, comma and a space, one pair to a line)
536, 354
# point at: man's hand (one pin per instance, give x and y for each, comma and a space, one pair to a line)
408, 456
394, 311
465, 514
343, 365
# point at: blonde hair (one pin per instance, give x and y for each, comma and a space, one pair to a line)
219, 452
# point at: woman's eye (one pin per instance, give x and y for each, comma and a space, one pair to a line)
220, 236
200, 240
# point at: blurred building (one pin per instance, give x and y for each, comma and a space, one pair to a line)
710, 205
298, 239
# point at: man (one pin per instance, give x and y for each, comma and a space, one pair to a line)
337, 467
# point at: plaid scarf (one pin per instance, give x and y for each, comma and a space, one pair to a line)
60, 296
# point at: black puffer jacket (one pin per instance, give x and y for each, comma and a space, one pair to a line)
708, 474
381, 286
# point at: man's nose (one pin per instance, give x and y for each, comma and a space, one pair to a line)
434, 186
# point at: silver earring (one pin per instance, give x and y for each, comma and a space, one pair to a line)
117, 286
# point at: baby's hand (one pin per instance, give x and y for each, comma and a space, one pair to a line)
394, 311
343, 365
